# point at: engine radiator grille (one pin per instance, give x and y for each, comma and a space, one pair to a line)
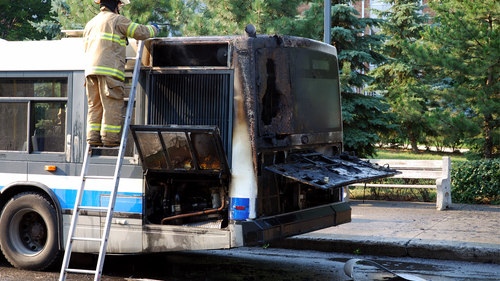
192, 99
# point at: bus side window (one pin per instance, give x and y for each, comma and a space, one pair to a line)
37, 106
50, 124
13, 122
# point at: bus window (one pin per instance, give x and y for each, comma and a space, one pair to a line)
13, 122
34, 106
50, 124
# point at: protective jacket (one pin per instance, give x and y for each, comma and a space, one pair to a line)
105, 41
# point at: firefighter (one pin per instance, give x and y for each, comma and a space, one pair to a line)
105, 40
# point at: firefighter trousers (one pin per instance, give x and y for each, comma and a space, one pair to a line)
105, 109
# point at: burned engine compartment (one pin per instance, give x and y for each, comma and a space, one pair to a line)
176, 201
186, 173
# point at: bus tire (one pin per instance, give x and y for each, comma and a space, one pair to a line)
29, 232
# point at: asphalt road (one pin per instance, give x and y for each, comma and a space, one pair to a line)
252, 264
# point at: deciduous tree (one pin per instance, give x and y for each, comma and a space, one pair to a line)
16, 15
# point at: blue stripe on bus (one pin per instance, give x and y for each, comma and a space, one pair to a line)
95, 198
239, 208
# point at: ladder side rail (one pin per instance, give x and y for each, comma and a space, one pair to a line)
121, 154
74, 218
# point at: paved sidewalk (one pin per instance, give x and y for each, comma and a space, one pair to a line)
464, 232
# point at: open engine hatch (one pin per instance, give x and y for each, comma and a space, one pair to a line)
315, 169
181, 149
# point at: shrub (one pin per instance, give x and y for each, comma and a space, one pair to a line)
476, 181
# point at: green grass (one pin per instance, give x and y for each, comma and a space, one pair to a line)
383, 153
393, 194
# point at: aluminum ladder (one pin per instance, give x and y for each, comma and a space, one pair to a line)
103, 240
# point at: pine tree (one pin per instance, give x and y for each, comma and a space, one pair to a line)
464, 46
398, 79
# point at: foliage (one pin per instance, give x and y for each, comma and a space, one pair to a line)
399, 78
16, 15
67, 15
463, 46
394, 194
171, 15
364, 118
451, 127
427, 155
74, 14
476, 181
229, 17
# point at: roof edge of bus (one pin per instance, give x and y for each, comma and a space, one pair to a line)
66, 54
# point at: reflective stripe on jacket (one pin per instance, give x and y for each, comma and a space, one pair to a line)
105, 41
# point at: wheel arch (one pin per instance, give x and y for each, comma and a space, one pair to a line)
15, 188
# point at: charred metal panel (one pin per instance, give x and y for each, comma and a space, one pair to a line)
323, 172
268, 229
268, 186
168, 55
274, 92
164, 238
244, 165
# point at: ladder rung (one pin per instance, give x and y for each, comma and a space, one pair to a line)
85, 271
87, 239
106, 147
131, 58
99, 177
92, 208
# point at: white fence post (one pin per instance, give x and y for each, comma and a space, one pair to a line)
443, 198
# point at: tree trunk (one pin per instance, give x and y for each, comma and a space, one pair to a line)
488, 140
413, 140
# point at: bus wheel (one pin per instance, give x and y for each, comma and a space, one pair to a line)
28, 236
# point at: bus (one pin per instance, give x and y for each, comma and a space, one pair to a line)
235, 141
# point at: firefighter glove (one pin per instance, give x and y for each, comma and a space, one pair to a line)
155, 25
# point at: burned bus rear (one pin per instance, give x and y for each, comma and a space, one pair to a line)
244, 134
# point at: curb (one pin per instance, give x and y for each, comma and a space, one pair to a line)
427, 249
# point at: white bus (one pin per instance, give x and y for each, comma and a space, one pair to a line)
237, 141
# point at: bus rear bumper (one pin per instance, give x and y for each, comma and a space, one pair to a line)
273, 228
